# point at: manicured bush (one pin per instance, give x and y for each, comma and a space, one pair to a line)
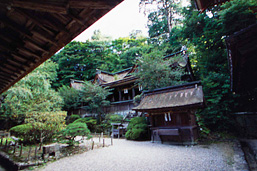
40, 126
91, 122
68, 134
72, 118
137, 129
23, 132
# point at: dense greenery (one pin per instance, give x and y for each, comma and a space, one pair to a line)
31, 94
91, 123
39, 126
79, 60
137, 129
69, 134
155, 72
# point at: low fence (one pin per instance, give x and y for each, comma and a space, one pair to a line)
38, 154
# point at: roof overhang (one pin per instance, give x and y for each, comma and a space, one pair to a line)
172, 98
34, 30
242, 56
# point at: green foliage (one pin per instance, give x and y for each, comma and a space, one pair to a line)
23, 132
137, 99
79, 60
72, 118
71, 97
91, 122
155, 72
94, 96
137, 129
68, 134
40, 126
32, 93
204, 36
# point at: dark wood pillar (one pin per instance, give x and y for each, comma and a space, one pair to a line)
133, 93
119, 95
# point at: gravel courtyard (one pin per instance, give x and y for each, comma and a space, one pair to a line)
146, 156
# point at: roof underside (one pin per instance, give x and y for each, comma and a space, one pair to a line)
242, 55
171, 98
34, 30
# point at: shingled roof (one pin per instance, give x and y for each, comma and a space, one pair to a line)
34, 30
168, 98
105, 78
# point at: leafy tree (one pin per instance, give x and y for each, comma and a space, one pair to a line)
72, 118
137, 129
68, 134
40, 126
91, 122
204, 36
32, 93
156, 72
94, 96
71, 98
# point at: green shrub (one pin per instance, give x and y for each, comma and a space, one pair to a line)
68, 134
72, 118
91, 123
40, 126
23, 132
137, 129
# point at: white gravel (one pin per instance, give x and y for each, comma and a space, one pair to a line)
127, 155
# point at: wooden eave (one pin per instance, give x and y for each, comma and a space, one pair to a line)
181, 97
242, 57
31, 31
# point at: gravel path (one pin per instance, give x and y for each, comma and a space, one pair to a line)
146, 156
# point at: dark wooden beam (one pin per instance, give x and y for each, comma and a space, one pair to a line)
53, 22
32, 18
11, 71
6, 76
45, 37
42, 5
78, 20
91, 4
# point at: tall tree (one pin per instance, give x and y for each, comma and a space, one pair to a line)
32, 93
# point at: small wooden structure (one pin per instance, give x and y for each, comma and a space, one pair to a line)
171, 112
119, 129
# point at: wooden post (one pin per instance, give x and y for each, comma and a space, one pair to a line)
36, 153
118, 133
6, 143
20, 151
2, 141
93, 143
29, 153
14, 148
103, 142
119, 95
111, 140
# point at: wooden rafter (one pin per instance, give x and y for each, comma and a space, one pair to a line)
43, 6
34, 30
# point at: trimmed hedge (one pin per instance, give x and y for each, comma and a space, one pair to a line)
137, 129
